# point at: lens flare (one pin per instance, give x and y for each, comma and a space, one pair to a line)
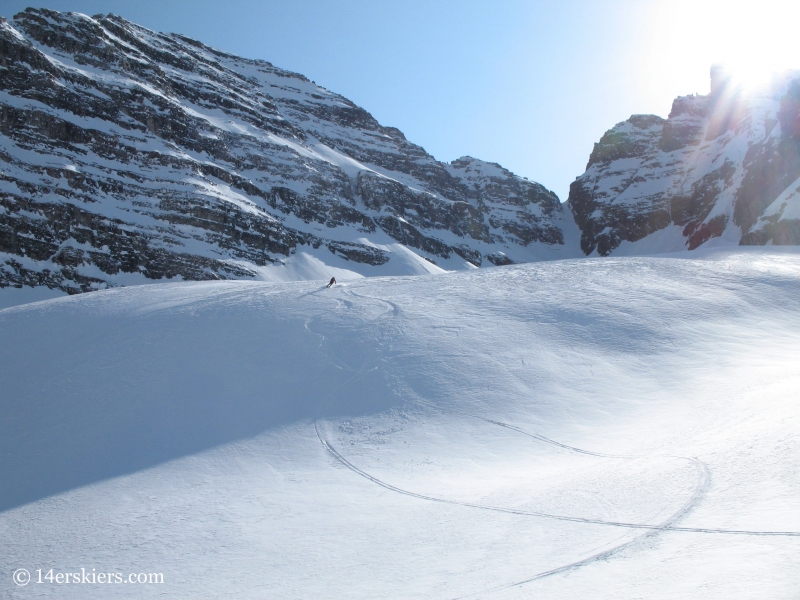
752, 40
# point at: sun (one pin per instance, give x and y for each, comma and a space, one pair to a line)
751, 39
750, 77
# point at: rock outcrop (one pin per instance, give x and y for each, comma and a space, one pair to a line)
722, 167
128, 156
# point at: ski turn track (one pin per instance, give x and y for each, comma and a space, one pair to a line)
701, 467
703, 479
650, 529
603, 554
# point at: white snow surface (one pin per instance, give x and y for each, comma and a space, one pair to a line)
595, 428
308, 265
787, 205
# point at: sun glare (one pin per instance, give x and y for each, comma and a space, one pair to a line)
751, 77
752, 40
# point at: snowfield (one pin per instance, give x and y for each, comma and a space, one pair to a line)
596, 428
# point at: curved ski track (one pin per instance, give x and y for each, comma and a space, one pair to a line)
703, 476
666, 525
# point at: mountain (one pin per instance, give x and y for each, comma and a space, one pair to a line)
594, 428
128, 156
722, 169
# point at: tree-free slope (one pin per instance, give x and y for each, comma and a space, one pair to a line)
627, 426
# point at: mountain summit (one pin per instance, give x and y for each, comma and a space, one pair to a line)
723, 169
130, 156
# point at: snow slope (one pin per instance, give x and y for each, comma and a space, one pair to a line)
615, 428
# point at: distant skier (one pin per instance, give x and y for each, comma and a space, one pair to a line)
331, 282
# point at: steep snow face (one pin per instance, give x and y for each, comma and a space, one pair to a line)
723, 168
129, 155
617, 428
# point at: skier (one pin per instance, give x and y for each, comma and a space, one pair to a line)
332, 281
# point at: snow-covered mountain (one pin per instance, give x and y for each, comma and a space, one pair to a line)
128, 156
605, 429
723, 169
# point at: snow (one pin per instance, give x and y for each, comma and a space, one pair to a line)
5, 25
349, 165
15, 296
303, 266
669, 239
595, 428
650, 181
280, 130
310, 264
787, 204
226, 194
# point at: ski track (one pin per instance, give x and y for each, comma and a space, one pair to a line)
700, 488
703, 476
392, 306
703, 479
702, 468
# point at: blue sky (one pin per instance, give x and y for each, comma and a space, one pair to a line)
530, 85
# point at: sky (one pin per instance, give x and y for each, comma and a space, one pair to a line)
531, 85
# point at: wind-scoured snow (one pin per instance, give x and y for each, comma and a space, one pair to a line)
595, 428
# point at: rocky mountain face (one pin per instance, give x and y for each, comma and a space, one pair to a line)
128, 156
721, 169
